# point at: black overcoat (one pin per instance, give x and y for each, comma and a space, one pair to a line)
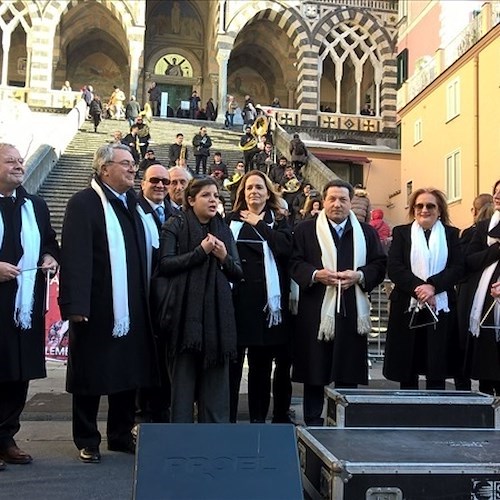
98, 363
483, 352
345, 358
250, 295
430, 350
22, 352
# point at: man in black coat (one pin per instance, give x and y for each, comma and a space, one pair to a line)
104, 293
333, 348
28, 249
153, 403
202, 144
177, 152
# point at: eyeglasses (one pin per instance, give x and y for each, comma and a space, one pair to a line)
13, 161
126, 164
157, 180
427, 206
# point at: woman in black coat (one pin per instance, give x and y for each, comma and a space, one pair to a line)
483, 341
425, 263
199, 257
264, 242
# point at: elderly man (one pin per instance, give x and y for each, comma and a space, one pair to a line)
153, 403
105, 260
28, 249
179, 178
336, 262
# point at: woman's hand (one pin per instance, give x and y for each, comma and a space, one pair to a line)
208, 244
250, 217
425, 292
219, 250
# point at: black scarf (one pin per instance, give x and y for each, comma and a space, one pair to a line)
207, 323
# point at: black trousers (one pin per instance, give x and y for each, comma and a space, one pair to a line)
201, 160
260, 363
12, 401
121, 410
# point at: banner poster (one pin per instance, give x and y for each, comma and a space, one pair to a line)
56, 330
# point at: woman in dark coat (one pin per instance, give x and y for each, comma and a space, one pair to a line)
483, 341
425, 263
199, 257
95, 111
264, 242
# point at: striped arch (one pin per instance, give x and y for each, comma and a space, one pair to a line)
307, 87
286, 18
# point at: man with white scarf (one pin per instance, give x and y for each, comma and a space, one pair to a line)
28, 251
336, 262
105, 267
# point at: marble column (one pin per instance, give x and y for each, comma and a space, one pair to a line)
291, 86
5, 58
222, 58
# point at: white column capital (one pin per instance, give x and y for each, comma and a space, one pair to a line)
223, 55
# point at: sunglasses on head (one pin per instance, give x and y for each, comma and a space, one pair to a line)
157, 180
428, 206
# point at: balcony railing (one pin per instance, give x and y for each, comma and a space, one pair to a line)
482, 23
387, 5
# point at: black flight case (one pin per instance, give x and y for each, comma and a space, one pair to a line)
396, 408
399, 464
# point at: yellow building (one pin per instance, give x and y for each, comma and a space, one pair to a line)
450, 136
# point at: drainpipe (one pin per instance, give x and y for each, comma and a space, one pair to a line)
476, 126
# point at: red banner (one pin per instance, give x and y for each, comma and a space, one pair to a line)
56, 330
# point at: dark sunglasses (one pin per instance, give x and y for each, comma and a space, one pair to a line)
428, 206
157, 180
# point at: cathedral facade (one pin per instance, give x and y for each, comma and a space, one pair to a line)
330, 64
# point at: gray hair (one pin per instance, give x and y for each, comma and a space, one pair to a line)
6, 145
186, 172
105, 154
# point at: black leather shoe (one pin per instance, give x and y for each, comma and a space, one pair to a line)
14, 455
90, 455
123, 447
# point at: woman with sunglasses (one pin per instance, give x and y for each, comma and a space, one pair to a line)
424, 263
199, 257
483, 343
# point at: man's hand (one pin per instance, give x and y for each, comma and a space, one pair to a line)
49, 264
326, 277
8, 271
348, 278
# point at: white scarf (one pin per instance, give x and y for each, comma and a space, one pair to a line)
429, 260
329, 259
118, 264
482, 288
273, 306
30, 243
152, 237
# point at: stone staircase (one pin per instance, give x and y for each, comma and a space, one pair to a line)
74, 168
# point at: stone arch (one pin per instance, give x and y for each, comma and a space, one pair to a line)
384, 51
16, 22
118, 8
286, 18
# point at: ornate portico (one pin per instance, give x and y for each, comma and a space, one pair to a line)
324, 60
